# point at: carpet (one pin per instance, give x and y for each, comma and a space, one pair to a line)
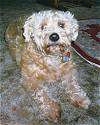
88, 42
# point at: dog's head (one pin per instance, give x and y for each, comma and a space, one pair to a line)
51, 30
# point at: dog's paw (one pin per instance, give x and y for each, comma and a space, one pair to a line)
51, 111
81, 102
55, 111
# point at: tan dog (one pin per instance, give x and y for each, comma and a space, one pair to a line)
47, 57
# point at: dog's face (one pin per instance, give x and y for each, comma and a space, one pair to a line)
50, 30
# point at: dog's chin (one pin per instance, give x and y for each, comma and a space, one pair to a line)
52, 49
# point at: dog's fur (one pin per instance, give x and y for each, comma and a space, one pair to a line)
42, 61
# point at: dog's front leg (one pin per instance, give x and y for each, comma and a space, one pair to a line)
76, 94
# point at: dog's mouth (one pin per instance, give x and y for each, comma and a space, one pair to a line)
54, 48
60, 50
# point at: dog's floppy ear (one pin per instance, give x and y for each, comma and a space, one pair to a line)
73, 25
28, 28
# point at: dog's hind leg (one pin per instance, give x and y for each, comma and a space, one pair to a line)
49, 109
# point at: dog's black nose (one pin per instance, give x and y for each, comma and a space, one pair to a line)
54, 37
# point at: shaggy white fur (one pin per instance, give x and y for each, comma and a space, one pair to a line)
51, 32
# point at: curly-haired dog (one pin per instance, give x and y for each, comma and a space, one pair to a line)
47, 57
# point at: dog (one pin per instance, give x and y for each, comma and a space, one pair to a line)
47, 58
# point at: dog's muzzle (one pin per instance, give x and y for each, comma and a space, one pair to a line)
54, 37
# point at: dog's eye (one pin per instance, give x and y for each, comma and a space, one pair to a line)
42, 27
60, 24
